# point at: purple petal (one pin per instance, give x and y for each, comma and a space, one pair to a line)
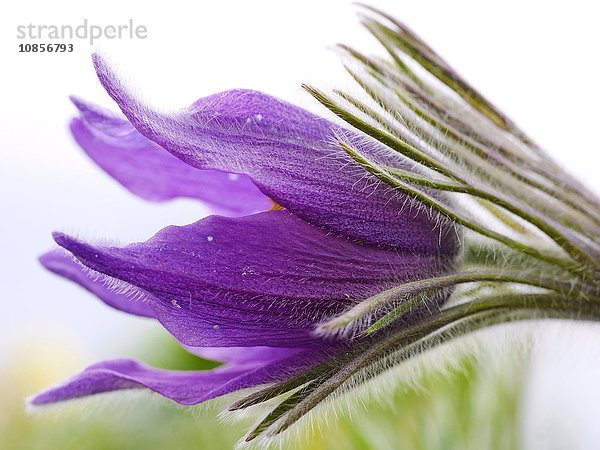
289, 154
241, 354
154, 174
264, 279
185, 387
62, 263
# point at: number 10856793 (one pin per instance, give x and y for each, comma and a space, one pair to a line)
45, 48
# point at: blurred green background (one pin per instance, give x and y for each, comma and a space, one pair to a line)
471, 405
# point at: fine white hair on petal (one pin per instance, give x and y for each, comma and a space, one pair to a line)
115, 285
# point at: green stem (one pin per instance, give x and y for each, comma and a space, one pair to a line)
376, 302
514, 244
458, 320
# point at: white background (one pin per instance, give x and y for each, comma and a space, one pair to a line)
537, 60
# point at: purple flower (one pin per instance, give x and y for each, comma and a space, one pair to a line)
336, 252
249, 290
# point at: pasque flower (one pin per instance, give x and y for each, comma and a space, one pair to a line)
339, 249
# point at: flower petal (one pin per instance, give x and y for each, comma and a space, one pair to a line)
185, 387
62, 263
153, 173
241, 354
289, 154
264, 279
